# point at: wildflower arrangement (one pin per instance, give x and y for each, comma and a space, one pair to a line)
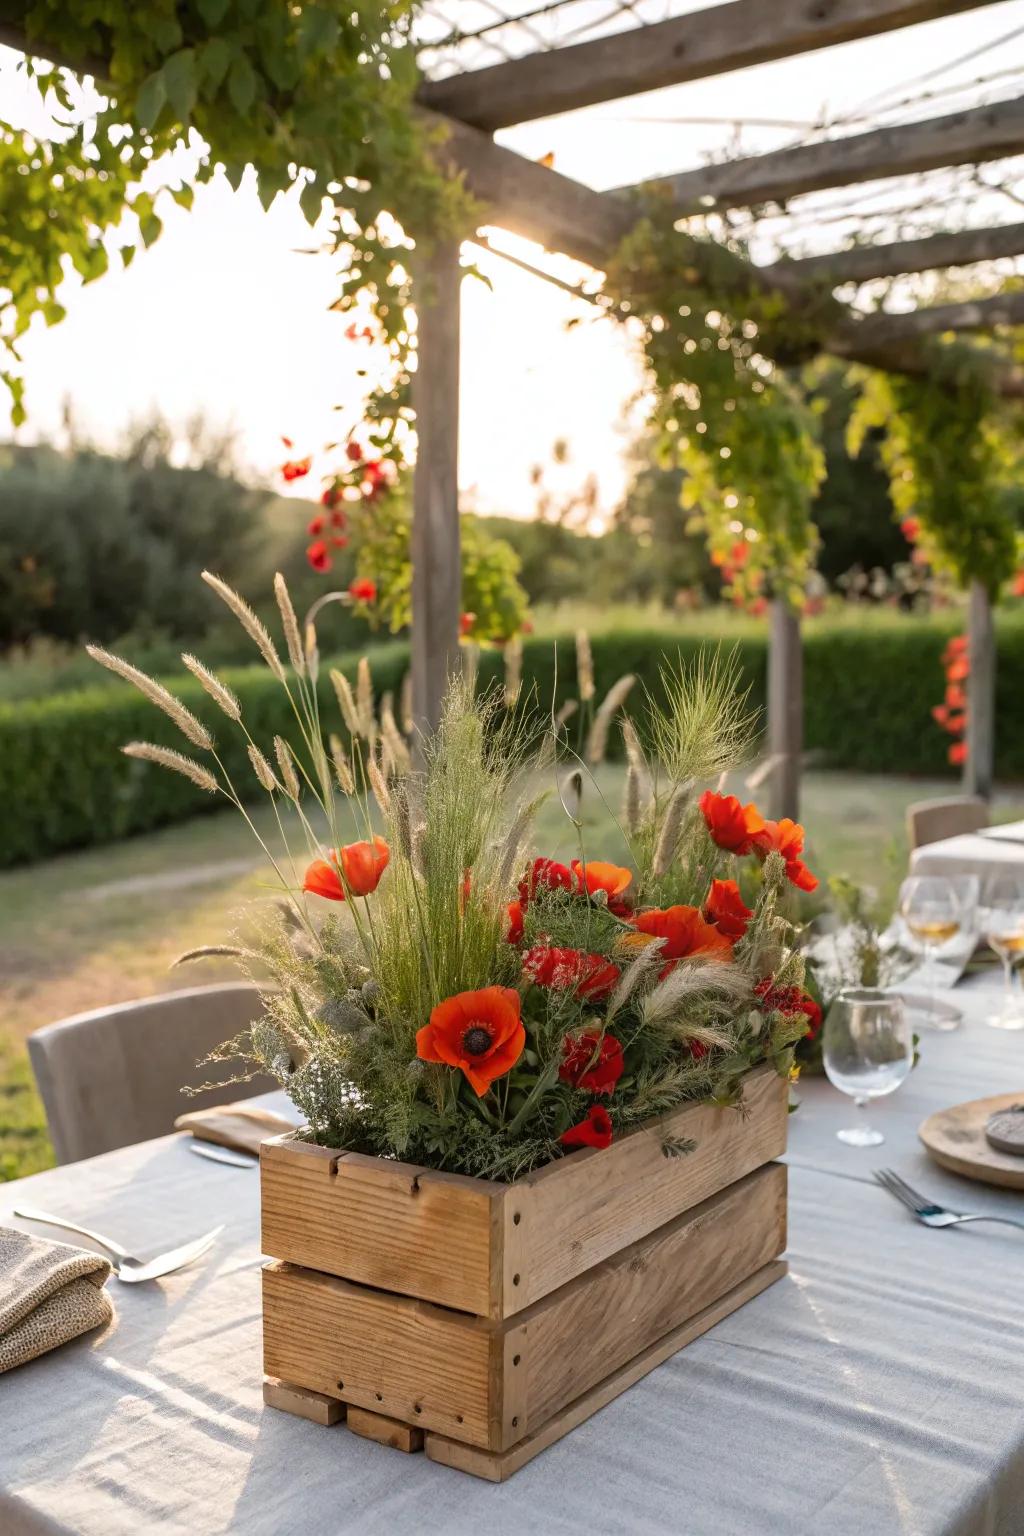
434, 990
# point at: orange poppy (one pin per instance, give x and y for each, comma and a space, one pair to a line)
686, 934
361, 866
726, 908
596, 876
481, 1033
787, 838
733, 826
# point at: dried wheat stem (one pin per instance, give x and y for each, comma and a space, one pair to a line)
378, 784
157, 694
393, 739
218, 691
632, 812
346, 701
209, 952
253, 627
176, 761
597, 742
290, 625
513, 671
566, 712
286, 763
263, 770
584, 665
342, 768
364, 699
668, 840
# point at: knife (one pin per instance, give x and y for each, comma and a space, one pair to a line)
219, 1154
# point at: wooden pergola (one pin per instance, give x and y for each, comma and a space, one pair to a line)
565, 216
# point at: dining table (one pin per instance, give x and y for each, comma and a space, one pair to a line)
993, 851
875, 1390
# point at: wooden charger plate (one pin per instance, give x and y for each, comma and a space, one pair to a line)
955, 1138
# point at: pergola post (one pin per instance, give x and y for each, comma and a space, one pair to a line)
981, 694
436, 557
785, 710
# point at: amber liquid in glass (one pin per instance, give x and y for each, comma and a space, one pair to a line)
935, 930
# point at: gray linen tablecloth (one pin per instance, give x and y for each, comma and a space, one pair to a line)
970, 854
876, 1391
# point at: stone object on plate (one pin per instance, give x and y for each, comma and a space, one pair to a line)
1005, 1130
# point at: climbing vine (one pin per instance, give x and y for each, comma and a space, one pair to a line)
723, 409
940, 447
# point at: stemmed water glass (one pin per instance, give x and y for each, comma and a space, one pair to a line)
1002, 923
933, 912
867, 1049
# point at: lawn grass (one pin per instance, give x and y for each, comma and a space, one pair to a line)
104, 925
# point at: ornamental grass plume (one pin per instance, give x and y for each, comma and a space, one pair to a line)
584, 666
435, 990
194, 730
201, 777
218, 691
597, 741
290, 624
254, 628
513, 671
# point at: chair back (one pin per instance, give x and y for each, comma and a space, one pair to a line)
114, 1076
929, 821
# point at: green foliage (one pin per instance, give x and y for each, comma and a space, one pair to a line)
869, 690
941, 451
92, 545
723, 410
313, 95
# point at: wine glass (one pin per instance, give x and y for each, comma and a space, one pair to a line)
933, 913
1002, 922
868, 1049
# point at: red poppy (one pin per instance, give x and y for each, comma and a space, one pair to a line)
330, 496
787, 837
294, 469
338, 541
466, 622
514, 931
338, 519
591, 1061
361, 864
594, 1131
732, 826
363, 590
589, 976
353, 453
957, 753
546, 874
1018, 584
726, 908
481, 1033
789, 1000
596, 876
956, 697
911, 529
685, 933
318, 555
315, 527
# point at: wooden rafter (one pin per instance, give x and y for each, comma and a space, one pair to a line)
862, 263
884, 330
690, 47
972, 137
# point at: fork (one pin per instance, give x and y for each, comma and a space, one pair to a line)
926, 1210
128, 1266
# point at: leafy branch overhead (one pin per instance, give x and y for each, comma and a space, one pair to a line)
313, 96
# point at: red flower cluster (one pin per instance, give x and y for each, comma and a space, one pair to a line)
741, 829
951, 714
789, 1000
591, 1061
571, 970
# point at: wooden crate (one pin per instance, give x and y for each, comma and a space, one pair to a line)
485, 1320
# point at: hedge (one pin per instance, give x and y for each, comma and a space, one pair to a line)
868, 691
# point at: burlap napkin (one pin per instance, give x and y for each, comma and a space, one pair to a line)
49, 1294
241, 1125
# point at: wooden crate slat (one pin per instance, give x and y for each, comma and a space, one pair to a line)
303, 1402
596, 1323
392, 1225
496, 1466
578, 1211
390, 1354
377, 1426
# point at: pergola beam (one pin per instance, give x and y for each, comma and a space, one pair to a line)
883, 330
691, 47
862, 263
975, 136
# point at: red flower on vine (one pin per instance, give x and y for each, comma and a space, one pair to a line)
294, 469
363, 590
353, 453
318, 556
466, 622
315, 527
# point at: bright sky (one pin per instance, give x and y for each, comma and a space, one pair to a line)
225, 315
